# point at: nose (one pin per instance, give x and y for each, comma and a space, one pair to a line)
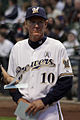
36, 24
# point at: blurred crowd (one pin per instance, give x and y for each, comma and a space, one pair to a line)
63, 23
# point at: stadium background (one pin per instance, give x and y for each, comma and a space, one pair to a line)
64, 19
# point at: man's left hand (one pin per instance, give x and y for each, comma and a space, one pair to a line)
35, 106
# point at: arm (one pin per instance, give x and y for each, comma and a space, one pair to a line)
4, 75
15, 94
58, 91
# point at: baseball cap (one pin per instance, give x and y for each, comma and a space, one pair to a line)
35, 11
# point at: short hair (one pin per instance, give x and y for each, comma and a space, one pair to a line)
14, 1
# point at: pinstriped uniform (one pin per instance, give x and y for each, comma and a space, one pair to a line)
42, 67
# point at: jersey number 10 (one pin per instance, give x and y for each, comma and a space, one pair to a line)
49, 77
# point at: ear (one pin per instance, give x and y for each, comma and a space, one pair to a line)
26, 24
46, 22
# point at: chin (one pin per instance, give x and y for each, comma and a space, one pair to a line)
36, 34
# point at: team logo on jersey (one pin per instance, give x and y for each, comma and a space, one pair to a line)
35, 65
35, 10
42, 63
66, 63
47, 54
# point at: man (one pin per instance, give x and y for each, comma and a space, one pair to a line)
5, 48
74, 16
47, 69
72, 42
13, 12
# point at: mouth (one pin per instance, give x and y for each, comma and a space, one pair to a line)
36, 31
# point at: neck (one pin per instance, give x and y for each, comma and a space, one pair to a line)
35, 38
36, 44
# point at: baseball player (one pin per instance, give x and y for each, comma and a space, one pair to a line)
46, 66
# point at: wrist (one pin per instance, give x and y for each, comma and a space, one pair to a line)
23, 100
20, 99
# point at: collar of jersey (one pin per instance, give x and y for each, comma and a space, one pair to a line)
36, 44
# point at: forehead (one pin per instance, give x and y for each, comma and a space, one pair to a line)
71, 34
36, 18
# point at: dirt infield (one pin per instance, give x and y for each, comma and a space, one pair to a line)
71, 111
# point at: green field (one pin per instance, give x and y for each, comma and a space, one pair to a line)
7, 118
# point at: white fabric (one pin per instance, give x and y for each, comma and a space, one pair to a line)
21, 17
50, 113
56, 13
60, 5
39, 67
18, 18
9, 10
5, 48
70, 45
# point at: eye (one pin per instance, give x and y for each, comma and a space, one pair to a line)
32, 22
41, 22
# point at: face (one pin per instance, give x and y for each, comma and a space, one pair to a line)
34, 3
1, 39
3, 30
49, 10
10, 3
68, 1
77, 4
57, 21
50, 20
36, 27
71, 37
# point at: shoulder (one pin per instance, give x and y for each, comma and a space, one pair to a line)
7, 42
21, 44
76, 42
55, 43
65, 43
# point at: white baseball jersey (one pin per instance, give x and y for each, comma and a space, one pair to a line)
70, 46
42, 67
5, 48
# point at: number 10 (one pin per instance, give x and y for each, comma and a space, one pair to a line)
49, 77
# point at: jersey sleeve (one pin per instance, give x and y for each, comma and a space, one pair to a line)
12, 64
58, 91
15, 94
64, 64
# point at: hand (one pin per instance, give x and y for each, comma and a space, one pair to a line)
24, 100
35, 106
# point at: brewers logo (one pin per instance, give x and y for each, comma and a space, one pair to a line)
35, 10
66, 63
